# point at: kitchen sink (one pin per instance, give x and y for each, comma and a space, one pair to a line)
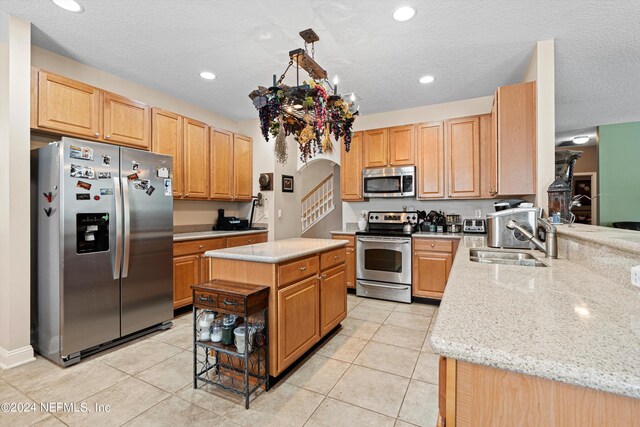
504, 257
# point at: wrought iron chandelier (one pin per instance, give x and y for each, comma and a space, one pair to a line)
312, 111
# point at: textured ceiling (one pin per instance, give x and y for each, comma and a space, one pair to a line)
471, 47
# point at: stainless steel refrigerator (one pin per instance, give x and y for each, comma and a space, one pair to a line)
104, 241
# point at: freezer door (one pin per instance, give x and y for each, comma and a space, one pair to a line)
147, 267
90, 285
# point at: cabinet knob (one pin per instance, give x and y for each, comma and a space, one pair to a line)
180, 194
432, 245
391, 163
250, 240
107, 137
336, 257
322, 276
415, 253
97, 134
303, 268
201, 246
186, 195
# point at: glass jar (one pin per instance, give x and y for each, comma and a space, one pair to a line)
228, 324
216, 331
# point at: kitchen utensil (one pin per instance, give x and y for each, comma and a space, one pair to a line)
408, 228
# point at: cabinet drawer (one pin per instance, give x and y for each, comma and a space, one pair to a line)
205, 299
248, 239
351, 239
297, 270
231, 303
331, 258
197, 246
437, 245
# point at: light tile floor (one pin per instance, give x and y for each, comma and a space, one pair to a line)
377, 370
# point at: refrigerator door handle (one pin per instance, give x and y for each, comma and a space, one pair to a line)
127, 227
117, 262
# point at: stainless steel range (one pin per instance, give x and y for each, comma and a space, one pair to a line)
383, 261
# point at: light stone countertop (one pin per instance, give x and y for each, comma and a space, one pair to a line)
277, 251
562, 322
626, 240
181, 237
348, 232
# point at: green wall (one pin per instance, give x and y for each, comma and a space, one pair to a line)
619, 170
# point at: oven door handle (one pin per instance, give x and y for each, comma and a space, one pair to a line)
379, 285
378, 240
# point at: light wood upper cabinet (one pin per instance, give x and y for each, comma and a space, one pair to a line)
333, 304
375, 148
242, 167
68, 106
222, 165
167, 139
430, 161
196, 159
351, 169
402, 145
298, 320
516, 139
463, 155
125, 121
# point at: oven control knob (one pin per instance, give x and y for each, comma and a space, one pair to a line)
376, 216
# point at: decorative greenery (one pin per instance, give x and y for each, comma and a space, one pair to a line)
308, 113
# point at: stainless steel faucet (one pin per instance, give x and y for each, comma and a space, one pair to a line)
550, 244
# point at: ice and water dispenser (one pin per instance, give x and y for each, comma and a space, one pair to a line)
92, 232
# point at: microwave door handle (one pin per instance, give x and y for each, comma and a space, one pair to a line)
401, 184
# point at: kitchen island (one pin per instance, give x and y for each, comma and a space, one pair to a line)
307, 290
551, 345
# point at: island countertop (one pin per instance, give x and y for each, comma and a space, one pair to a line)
561, 322
277, 251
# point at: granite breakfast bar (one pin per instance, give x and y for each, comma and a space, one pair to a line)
552, 345
307, 290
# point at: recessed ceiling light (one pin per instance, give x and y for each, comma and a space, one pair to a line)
427, 79
404, 13
207, 75
69, 5
581, 139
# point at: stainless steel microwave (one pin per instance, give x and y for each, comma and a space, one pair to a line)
389, 182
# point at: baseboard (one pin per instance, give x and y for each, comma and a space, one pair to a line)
12, 358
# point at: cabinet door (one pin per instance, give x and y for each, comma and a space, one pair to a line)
126, 121
351, 268
333, 298
493, 149
351, 169
375, 148
196, 159
430, 273
68, 106
186, 272
167, 139
463, 150
298, 320
221, 178
242, 167
430, 161
517, 139
402, 145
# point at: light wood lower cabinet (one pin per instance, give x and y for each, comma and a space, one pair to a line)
191, 267
351, 258
306, 300
333, 288
432, 261
186, 272
477, 395
298, 319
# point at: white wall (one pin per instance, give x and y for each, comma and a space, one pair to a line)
541, 68
15, 255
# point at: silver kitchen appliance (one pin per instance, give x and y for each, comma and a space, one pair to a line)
104, 236
500, 236
474, 225
389, 182
383, 256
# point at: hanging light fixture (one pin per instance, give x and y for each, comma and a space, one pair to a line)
307, 111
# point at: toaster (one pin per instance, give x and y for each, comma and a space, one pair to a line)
474, 226
499, 236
